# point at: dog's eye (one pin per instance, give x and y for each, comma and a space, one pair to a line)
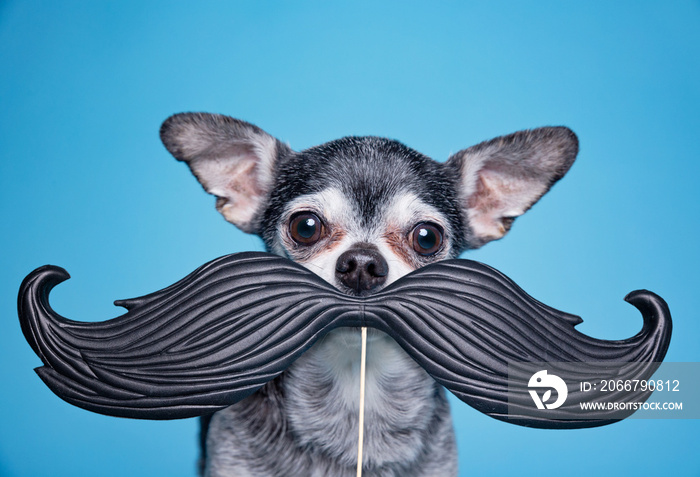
427, 238
305, 228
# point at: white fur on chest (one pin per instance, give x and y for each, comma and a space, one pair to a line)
307, 422
323, 391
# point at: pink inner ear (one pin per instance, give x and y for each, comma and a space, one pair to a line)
485, 197
497, 199
483, 207
239, 189
242, 178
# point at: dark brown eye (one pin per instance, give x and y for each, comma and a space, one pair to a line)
305, 228
427, 238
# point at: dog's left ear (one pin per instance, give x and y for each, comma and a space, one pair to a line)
501, 179
232, 159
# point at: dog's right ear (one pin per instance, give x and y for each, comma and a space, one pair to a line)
232, 159
502, 178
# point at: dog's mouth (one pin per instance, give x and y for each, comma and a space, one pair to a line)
358, 293
351, 336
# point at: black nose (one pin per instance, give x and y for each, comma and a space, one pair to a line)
361, 269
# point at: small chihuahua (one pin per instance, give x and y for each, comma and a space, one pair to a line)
360, 212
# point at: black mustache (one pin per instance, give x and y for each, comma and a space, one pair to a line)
237, 322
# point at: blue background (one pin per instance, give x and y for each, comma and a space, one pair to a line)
86, 184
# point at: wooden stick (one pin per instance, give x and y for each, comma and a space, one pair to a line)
363, 366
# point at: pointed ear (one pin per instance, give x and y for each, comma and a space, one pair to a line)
232, 159
501, 179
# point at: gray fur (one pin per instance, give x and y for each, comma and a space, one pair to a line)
365, 190
301, 424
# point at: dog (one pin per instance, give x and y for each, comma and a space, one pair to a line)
360, 212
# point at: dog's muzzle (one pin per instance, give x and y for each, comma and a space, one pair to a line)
362, 269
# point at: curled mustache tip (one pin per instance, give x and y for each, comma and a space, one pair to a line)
653, 308
34, 297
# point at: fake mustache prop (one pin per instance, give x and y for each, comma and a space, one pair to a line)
232, 325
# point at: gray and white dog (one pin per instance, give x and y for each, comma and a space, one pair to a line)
360, 212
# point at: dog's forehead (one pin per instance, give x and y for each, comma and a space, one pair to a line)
368, 166
369, 172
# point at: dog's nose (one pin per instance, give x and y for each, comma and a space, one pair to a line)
361, 269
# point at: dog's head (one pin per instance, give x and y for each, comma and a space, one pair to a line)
364, 211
